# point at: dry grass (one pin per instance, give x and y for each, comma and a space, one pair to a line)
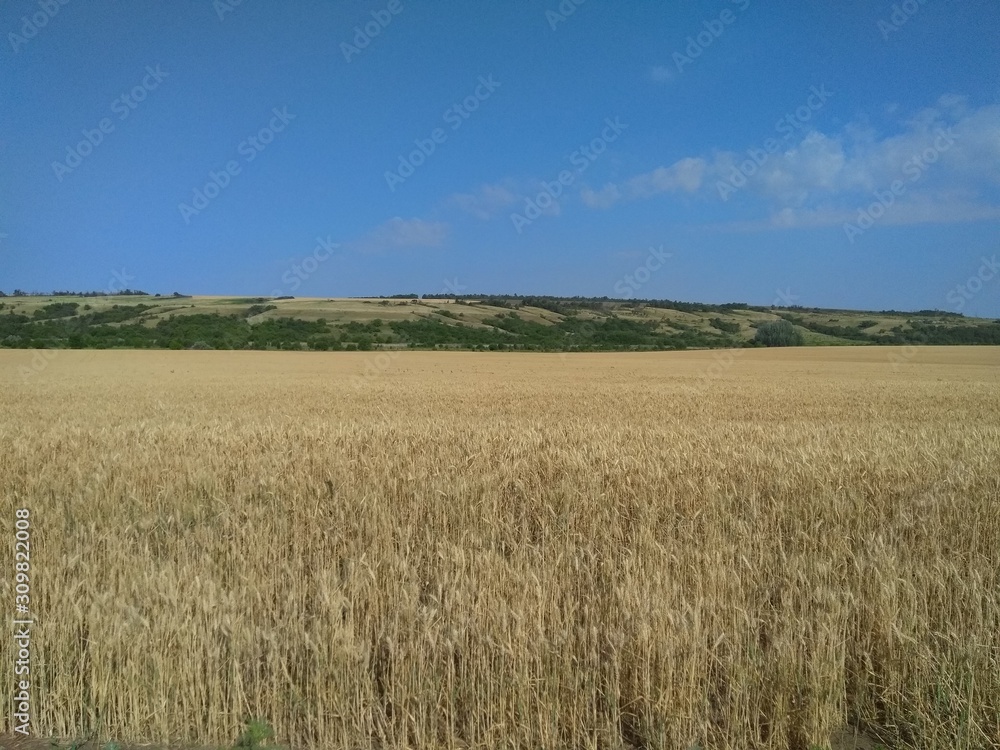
461, 550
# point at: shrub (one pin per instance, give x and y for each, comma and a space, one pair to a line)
779, 333
256, 736
725, 326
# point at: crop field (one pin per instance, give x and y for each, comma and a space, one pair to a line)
782, 549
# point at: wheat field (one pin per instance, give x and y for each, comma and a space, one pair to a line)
760, 549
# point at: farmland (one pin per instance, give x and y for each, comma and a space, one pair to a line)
744, 549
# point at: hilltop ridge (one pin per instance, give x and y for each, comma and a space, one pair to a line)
494, 322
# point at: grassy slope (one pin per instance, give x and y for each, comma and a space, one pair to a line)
340, 311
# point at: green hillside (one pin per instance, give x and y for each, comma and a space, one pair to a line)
138, 320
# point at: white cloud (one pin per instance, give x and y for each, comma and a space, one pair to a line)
606, 197
919, 208
399, 233
488, 200
934, 152
685, 176
947, 155
491, 200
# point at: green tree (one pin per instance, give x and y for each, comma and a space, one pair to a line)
778, 333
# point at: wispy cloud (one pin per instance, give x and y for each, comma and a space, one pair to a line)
487, 201
943, 207
399, 233
686, 175
606, 197
492, 200
812, 178
821, 178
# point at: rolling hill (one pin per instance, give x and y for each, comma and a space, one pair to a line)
494, 322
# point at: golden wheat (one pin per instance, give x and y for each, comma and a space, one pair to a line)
535, 551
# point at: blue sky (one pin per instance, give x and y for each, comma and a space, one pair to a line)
831, 154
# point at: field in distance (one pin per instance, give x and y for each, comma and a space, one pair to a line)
777, 549
495, 323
